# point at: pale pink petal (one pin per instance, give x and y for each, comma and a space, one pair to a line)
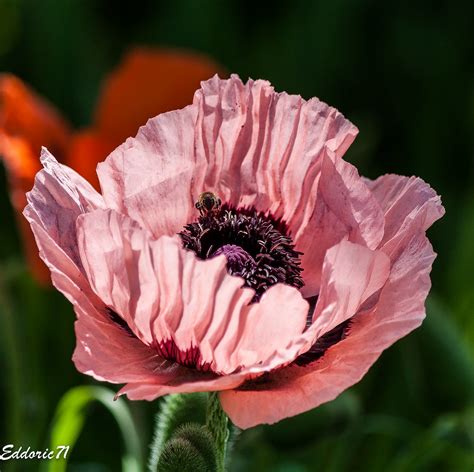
184, 381
167, 295
351, 274
244, 142
150, 177
262, 148
58, 197
262, 338
118, 269
293, 390
104, 349
344, 208
408, 203
108, 352
66, 276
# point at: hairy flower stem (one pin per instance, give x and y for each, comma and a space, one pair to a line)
217, 423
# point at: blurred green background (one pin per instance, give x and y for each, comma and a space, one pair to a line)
403, 72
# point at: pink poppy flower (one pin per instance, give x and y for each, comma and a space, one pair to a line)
279, 287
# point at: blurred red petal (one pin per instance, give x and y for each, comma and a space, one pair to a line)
86, 150
147, 83
25, 114
27, 122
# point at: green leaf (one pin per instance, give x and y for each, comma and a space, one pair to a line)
70, 417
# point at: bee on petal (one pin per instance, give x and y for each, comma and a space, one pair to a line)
208, 203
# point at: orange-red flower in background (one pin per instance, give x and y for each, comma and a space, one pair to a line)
27, 122
148, 82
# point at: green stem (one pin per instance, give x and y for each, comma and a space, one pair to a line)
217, 423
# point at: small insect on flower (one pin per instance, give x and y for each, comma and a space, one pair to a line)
208, 203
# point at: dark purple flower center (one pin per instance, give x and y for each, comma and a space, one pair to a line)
257, 246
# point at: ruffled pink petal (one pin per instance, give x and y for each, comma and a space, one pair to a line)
119, 271
293, 390
263, 148
408, 204
107, 352
244, 142
150, 177
263, 337
58, 197
351, 274
169, 297
343, 207
103, 349
187, 381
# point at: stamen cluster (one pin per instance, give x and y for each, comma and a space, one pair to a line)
267, 255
